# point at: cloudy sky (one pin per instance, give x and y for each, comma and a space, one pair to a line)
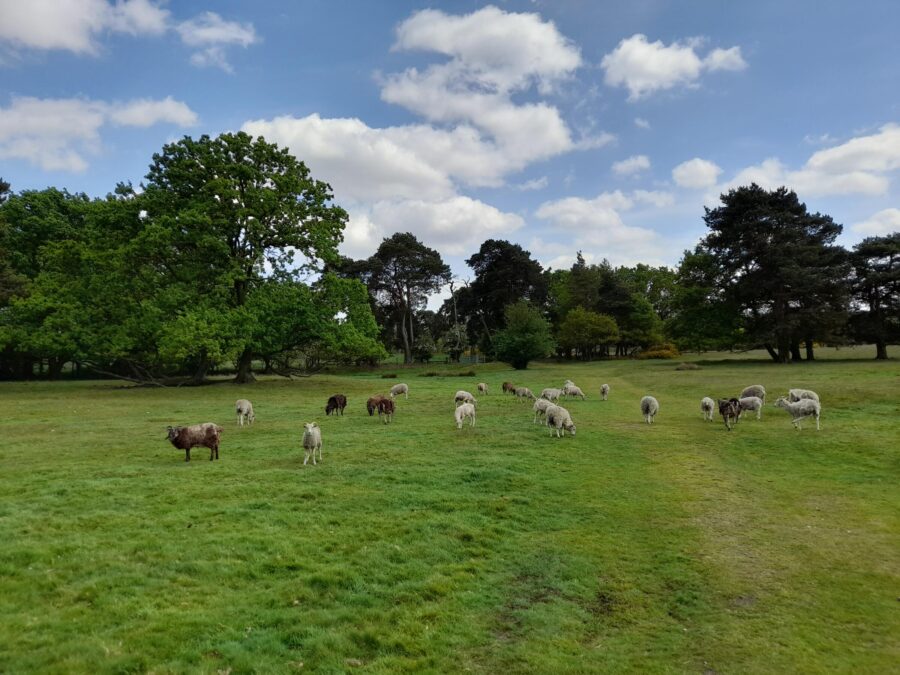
560, 125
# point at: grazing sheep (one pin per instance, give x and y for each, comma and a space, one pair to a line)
373, 403
730, 410
398, 389
751, 403
336, 404
551, 394
464, 397
244, 410
558, 418
754, 390
795, 395
800, 410
649, 408
312, 441
707, 407
540, 409
573, 391
524, 392
604, 391
482, 388
386, 408
508, 388
567, 383
205, 435
462, 412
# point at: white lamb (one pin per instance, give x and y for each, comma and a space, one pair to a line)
649, 408
572, 390
754, 390
551, 394
800, 410
524, 392
312, 441
707, 407
398, 389
482, 388
464, 397
466, 410
800, 394
244, 410
604, 391
558, 418
540, 409
751, 403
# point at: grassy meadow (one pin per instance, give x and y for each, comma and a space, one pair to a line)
416, 547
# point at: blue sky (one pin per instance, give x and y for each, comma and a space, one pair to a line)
565, 125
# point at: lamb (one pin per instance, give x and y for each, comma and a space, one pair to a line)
482, 388
312, 441
558, 418
524, 392
462, 412
572, 390
567, 383
508, 387
730, 410
551, 394
205, 435
464, 397
800, 410
398, 389
754, 390
336, 404
386, 408
604, 391
540, 409
649, 408
244, 410
751, 403
795, 395
373, 403
707, 406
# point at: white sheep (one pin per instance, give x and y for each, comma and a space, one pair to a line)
558, 418
754, 390
551, 394
567, 383
751, 403
398, 389
649, 408
464, 397
312, 441
244, 410
800, 394
800, 410
707, 407
572, 390
524, 392
540, 409
462, 412
604, 391
482, 388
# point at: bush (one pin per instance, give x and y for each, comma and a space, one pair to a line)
687, 366
468, 373
526, 336
429, 373
389, 376
665, 350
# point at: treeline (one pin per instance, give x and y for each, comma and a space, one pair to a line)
226, 256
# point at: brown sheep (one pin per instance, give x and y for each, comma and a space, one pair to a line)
336, 404
205, 435
509, 387
386, 407
730, 410
372, 403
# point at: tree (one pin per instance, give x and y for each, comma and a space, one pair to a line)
401, 274
233, 211
876, 291
526, 336
587, 332
778, 266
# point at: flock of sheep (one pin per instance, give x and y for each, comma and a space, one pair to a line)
801, 404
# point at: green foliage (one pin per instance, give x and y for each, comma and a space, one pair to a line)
586, 332
526, 336
665, 350
876, 291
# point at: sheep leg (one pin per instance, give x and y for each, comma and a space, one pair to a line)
187, 455
817, 423
305, 457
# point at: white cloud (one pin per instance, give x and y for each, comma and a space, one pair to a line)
646, 67
696, 173
878, 152
632, 165
879, 224
641, 123
74, 25
533, 184
209, 33
56, 134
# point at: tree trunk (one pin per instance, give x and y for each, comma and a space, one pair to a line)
245, 368
772, 352
407, 348
810, 350
54, 367
881, 350
795, 351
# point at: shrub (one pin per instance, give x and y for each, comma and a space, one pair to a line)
687, 366
388, 376
468, 373
665, 350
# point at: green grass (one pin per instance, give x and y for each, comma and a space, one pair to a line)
417, 547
